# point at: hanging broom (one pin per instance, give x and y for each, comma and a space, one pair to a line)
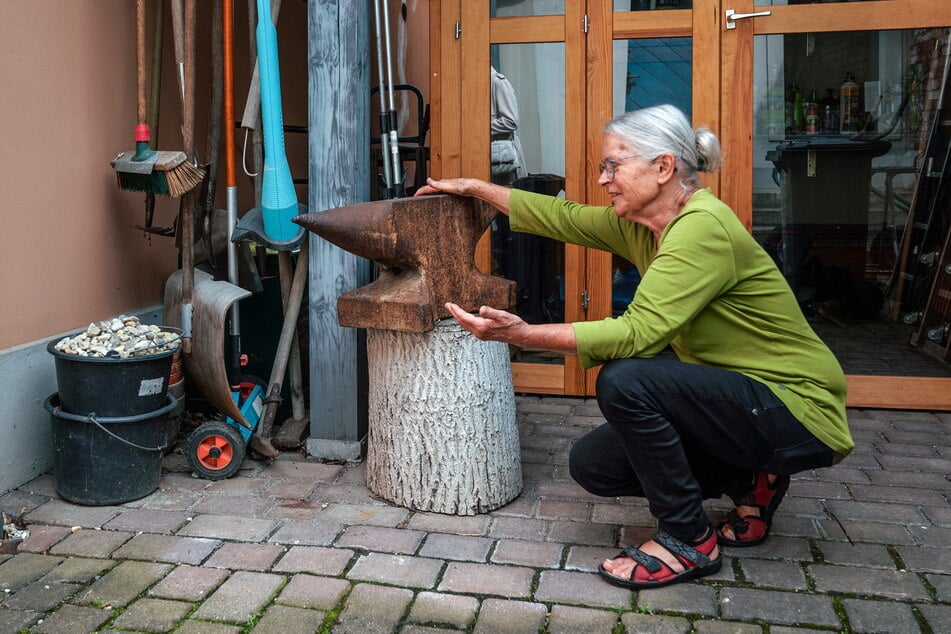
167, 173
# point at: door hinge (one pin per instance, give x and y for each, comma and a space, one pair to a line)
585, 24
458, 29
585, 299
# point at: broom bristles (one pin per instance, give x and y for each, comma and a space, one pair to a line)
171, 175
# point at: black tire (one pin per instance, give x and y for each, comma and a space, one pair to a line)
215, 450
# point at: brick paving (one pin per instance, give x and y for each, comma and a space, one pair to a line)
303, 546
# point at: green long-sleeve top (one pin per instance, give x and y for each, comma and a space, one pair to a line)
710, 291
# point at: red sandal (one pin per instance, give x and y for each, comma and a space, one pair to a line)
695, 558
751, 530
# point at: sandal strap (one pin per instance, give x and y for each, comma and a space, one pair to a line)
681, 549
652, 564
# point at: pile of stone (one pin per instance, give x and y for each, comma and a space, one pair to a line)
121, 337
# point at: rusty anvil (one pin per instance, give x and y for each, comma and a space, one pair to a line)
425, 248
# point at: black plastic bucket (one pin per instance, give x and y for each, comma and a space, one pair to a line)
112, 386
101, 460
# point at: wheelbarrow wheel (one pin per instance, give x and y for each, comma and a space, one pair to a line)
215, 450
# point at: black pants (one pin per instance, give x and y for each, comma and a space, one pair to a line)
678, 433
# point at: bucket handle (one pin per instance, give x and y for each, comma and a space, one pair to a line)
92, 418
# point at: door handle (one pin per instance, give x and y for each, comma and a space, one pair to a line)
732, 16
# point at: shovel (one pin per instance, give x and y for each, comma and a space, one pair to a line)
194, 301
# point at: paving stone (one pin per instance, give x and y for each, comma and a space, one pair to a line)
372, 608
587, 558
245, 556
243, 594
795, 526
284, 490
251, 505
364, 515
281, 619
498, 615
344, 494
840, 474
168, 548
925, 559
775, 547
689, 598
864, 555
561, 509
122, 584
588, 533
940, 516
42, 538
822, 490
147, 521
518, 528
292, 510
782, 608
617, 514
91, 543
776, 574
879, 617
17, 620
569, 619
915, 463
24, 569
307, 533
876, 532
725, 627
522, 506
779, 629
63, 513
153, 615
388, 540
189, 583
241, 487
451, 610
527, 553
580, 588
397, 570
934, 536
247, 529
491, 579
890, 494
457, 547
311, 592
315, 560
942, 586
634, 622
475, 525
41, 596
78, 570
170, 499
203, 627
301, 470
74, 619
937, 616
884, 583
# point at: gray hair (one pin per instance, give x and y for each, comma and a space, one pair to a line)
665, 130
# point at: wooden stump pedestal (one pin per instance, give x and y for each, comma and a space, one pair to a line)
443, 435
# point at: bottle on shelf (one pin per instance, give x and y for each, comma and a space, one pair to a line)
811, 108
849, 110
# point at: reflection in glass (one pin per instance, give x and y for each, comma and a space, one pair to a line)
519, 8
651, 5
647, 72
843, 122
532, 76
773, 3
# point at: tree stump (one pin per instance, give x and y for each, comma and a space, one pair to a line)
443, 435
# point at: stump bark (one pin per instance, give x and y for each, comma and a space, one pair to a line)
442, 433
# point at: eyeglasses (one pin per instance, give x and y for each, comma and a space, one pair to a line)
608, 166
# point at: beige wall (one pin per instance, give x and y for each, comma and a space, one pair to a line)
67, 106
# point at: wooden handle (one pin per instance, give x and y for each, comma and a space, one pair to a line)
227, 20
141, 116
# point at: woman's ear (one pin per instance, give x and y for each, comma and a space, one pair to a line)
666, 167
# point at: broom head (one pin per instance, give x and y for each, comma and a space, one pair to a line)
166, 173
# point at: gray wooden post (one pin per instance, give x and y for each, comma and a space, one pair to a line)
339, 174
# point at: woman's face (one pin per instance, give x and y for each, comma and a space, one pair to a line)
633, 184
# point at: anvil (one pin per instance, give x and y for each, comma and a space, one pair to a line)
425, 248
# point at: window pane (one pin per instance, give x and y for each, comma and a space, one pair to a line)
651, 5
843, 123
518, 8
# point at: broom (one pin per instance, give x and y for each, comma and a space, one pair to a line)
167, 173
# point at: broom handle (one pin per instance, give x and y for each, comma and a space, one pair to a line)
178, 27
141, 116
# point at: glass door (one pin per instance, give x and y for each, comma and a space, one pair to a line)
844, 179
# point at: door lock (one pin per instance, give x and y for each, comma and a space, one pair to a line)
732, 16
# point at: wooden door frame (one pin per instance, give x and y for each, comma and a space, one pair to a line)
895, 392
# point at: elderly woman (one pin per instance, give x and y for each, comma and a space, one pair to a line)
755, 395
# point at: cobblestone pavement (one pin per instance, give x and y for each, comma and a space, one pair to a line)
302, 546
